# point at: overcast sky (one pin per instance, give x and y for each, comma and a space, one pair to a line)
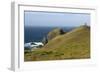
55, 19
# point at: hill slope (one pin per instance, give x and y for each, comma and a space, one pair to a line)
71, 45
55, 32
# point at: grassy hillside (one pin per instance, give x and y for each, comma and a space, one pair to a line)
71, 45
54, 33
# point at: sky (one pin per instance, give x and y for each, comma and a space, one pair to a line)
60, 19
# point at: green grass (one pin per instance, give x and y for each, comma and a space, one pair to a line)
71, 45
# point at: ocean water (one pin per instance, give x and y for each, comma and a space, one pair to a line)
36, 34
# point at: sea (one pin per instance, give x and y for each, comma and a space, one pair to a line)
36, 34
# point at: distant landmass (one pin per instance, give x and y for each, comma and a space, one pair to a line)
59, 45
